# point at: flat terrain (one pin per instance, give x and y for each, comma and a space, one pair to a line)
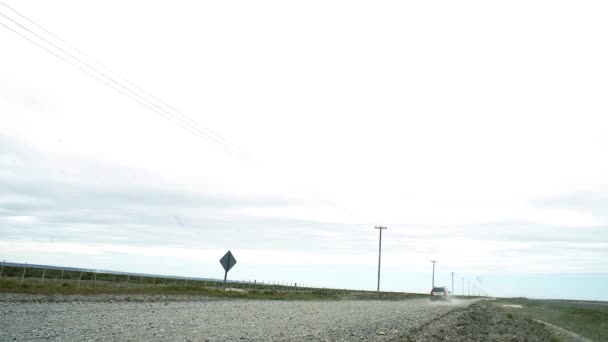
195, 318
587, 319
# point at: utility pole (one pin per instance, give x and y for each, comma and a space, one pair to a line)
380, 228
453, 283
462, 287
433, 261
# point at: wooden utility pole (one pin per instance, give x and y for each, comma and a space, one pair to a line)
433, 281
462, 288
453, 283
380, 228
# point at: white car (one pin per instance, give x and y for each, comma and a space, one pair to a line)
440, 293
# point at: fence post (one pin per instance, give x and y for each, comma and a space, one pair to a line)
79, 278
43, 272
141, 280
23, 275
113, 278
2, 268
128, 276
62, 274
94, 279
153, 280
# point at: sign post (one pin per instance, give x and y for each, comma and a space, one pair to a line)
227, 261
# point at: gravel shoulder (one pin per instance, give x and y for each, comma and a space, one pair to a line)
33, 318
482, 321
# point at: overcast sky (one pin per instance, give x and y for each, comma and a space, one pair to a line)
474, 130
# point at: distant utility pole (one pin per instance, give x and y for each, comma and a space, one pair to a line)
433, 261
453, 283
380, 228
462, 287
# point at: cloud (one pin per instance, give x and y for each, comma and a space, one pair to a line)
593, 202
45, 211
90, 209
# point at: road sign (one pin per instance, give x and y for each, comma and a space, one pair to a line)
228, 261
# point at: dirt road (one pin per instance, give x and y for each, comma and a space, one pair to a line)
122, 319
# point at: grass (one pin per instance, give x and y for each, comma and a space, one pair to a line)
207, 289
587, 319
68, 288
53, 281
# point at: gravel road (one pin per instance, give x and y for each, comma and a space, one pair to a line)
215, 320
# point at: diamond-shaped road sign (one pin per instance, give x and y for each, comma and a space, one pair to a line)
228, 261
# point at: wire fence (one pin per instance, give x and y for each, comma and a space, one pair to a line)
92, 278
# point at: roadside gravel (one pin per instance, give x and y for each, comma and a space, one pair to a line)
481, 322
25, 318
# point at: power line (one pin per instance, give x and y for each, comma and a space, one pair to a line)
179, 123
125, 79
225, 144
190, 125
149, 103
